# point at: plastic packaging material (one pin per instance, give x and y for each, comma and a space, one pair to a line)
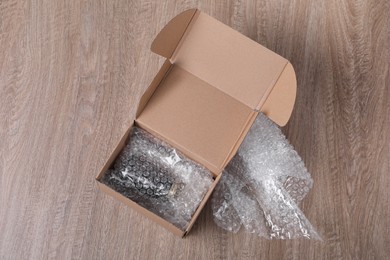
159, 178
262, 186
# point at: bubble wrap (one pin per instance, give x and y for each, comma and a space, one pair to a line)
159, 178
262, 186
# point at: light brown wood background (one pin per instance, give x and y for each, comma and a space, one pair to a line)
71, 74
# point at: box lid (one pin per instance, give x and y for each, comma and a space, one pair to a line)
201, 121
211, 87
229, 61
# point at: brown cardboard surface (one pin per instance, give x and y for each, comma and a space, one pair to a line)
201, 121
189, 112
152, 87
280, 102
168, 38
228, 60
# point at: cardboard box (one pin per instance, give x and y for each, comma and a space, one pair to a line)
207, 94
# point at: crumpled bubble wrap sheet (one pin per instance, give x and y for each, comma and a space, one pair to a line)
159, 178
262, 186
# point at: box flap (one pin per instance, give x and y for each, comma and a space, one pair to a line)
201, 121
168, 38
211, 87
280, 103
226, 59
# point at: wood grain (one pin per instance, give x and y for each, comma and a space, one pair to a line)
72, 72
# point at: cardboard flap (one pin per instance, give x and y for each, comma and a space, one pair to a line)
280, 103
196, 118
210, 88
228, 60
168, 38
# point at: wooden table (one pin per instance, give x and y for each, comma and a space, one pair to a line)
71, 75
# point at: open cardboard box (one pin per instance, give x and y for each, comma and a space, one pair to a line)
206, 96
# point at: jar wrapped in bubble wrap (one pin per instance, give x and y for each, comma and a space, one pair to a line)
159, 178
